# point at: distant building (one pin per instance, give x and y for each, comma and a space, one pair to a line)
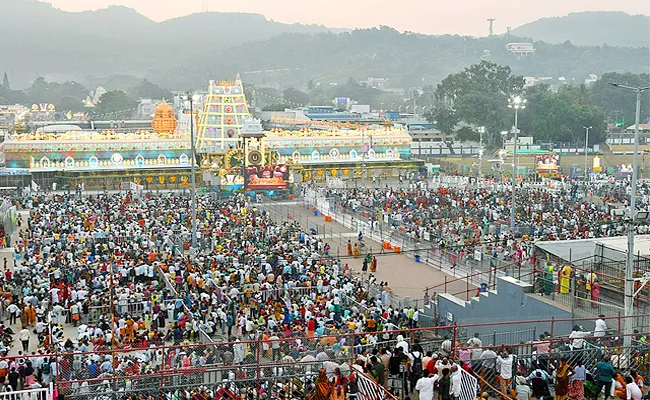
593, 78
627, 137
11, 114
342, 103
521, 49
146, 108
98, 94
378, 83
533, 80
360, 108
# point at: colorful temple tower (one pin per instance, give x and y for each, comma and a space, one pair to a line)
164, 120
223, 117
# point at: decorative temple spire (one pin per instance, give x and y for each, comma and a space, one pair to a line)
223, 117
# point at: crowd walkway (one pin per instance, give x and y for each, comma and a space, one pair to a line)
404, 275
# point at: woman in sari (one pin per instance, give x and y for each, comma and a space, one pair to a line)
595, 293
576, 388
548, 280
340, 383
565, 279
562, 380
323, 386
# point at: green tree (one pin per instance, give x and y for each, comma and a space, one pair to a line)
619, 105
562, 116
476, 96
276, 107
115, 104
295, 96
42, 91
69, 103
148, 90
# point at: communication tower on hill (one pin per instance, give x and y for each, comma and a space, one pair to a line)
205, 6
491, 21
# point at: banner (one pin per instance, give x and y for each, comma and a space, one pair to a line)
267, 177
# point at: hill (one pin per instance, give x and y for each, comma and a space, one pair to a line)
115, 45
408, 60
590, 29
60, 45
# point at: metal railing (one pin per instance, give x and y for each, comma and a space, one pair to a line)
295, 355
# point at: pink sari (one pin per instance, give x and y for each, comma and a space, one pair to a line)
577, 390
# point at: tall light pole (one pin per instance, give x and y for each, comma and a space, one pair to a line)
586, 147
502, 156
481, 131
191, 100
516, 102
629, 265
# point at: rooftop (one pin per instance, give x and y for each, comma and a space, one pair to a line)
614, 248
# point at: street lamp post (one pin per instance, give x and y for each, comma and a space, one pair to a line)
191, 99
629, 265
516, 102
481, 131
502, 155
587, 128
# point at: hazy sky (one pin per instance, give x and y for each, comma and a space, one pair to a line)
426, 16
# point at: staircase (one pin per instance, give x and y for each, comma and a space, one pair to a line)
370, 389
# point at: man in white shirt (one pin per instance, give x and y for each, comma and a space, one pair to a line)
578, 336
425, 385
601, 327
456, 384
24, 335
445, 346
402, 343
504, 368
632, 389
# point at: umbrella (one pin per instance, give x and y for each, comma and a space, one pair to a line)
308, 359
330, 367
288, 359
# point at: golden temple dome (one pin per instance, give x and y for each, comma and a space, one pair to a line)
164, 120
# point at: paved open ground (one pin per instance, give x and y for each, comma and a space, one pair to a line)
405, 276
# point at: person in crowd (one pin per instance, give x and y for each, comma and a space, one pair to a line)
577, 379
606, 374
632, 390
425, 386
562, 379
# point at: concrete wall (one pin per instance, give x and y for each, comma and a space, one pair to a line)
513, 301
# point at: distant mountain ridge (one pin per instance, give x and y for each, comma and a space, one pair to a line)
118, 38
186, 52
590, 28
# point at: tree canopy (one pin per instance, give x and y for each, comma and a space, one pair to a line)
115, 104
477, 96
295, 97
619, 105
146, 89
5, 82
563, 115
